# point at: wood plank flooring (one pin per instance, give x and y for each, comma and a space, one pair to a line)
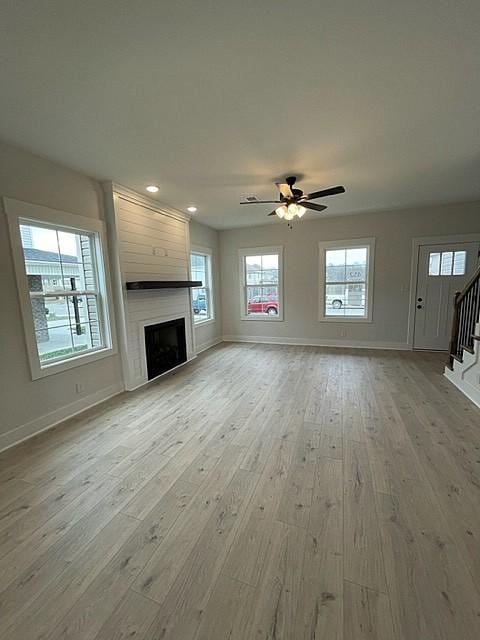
259, 493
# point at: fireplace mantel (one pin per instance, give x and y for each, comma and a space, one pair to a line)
162, 284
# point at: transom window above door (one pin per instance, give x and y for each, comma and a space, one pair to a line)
447, 263
261, 283
346, 274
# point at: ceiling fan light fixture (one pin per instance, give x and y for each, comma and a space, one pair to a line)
300, 211
290, 211
296, 209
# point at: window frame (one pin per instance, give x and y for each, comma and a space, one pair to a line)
359, 243
209, 285
262, 251
23, 213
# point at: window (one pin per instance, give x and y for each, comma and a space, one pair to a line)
346, 277
202, 299
62, 286
447, 263
261, 283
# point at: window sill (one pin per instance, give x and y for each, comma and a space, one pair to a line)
262, 319
202, 323
72, 363
344, 319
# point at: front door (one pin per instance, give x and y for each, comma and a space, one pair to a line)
443, 269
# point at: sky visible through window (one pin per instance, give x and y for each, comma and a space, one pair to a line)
338, 257
45, 239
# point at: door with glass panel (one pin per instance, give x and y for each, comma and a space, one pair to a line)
442, 270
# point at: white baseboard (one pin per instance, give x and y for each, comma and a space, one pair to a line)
49, 420
464, 386
321, 342
208, 345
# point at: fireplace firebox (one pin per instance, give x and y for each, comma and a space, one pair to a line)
165, 346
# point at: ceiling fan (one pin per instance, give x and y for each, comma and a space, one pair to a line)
293, 202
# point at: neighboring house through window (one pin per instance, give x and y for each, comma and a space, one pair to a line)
346, 280
202, 297
62, 285
261, 277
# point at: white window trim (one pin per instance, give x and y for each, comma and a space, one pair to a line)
346, 244
255, 251
16, 211
205, 251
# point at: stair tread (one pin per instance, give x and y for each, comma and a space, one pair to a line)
469, 349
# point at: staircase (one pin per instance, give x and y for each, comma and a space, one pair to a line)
463, 368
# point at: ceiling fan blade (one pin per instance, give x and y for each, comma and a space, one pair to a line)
284, 189
313, 206
332, 191
261, 202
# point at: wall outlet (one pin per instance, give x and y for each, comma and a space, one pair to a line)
79, 387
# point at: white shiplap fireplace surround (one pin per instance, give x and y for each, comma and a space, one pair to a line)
147, 241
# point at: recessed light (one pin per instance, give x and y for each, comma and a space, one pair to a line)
152, 188
192, 209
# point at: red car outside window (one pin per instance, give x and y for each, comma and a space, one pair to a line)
263, 304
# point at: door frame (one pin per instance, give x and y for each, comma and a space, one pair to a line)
416, 244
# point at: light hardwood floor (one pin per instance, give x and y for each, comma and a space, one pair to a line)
262, 492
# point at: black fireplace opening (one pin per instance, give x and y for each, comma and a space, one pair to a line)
165, 346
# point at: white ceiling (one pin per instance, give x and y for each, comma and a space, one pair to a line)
214, 100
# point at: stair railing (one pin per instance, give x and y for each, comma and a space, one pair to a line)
465, 317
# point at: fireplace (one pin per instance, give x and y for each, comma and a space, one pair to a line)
165, 346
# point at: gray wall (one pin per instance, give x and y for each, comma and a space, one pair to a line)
393, 230
24, 176
203, 236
